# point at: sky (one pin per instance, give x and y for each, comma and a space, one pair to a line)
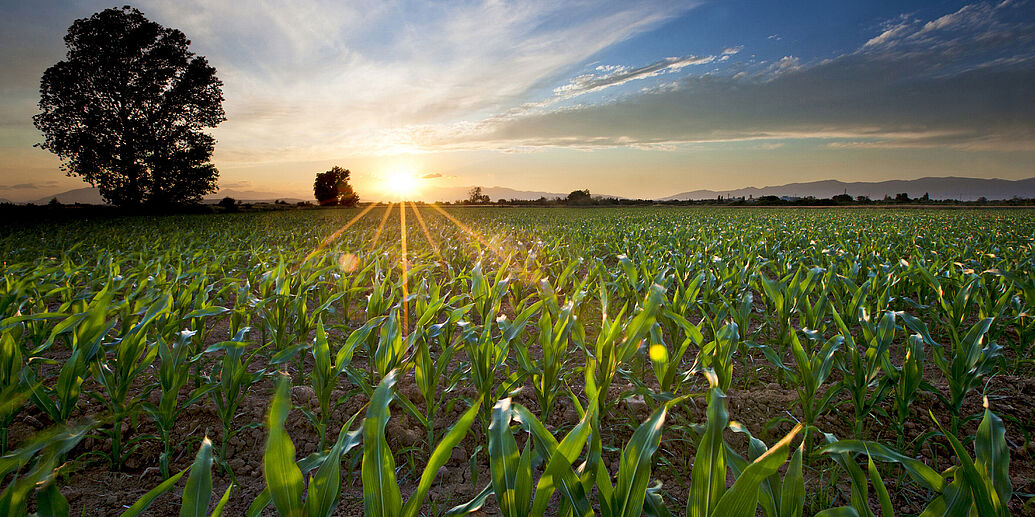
630, 98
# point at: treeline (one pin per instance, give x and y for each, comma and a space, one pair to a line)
846, 200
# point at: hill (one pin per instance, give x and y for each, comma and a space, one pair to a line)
949, 187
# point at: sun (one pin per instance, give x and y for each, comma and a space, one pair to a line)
401, 184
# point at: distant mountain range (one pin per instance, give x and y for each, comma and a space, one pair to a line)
950, 187
963, 189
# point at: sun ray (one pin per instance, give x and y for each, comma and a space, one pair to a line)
381, 226
334, 236
499, 252
404, 264
427, 234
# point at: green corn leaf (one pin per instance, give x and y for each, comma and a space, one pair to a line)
439, 457
992, 455
792, 497
198, 492
840, 511
878, 486
50, 502
325, 484
473, 505
741, 500
918, 470
634, 466
985, 499
144, 502
503, 461
218, 511
381, 497
282, 474
955, 501
558, 472
708, 475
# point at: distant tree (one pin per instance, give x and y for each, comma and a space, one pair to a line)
579, 197
229, 203
926, 197
126, 108
902, 197
332, 188
475, 196
863, 199
842, 198
54, 202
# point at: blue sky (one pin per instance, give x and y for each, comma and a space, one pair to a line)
634, 98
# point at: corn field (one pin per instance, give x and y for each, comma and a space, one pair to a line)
410, 360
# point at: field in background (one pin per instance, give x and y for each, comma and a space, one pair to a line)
599, 360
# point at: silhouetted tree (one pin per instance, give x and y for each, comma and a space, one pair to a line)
229, 203
580, 197
902, 197
332, 188
475, 196
126, 108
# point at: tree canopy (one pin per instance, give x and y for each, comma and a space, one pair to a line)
126, 108
332, 188
580, 197
475, 196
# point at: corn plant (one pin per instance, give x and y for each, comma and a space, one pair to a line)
612, 348
778, 497
811, 368
487, 356
197, 493
429, 373
512, 471
284, 481
381, 495
325, 373
862, 366
34, 467
717, 355
232, 379
979, 486
174, 366
129, 358
548, 373
907, 380
786, 296
667, 365
708, 493
11, 365
964, 365
87, 330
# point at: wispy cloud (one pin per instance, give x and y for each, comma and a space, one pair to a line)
29, 186
607, 76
